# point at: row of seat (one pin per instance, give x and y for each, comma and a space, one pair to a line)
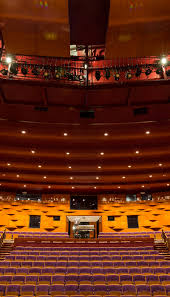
86, 279
84, 271
125, 290
83, 249
88, 253
85, 258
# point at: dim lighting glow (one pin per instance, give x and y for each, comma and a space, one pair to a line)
8, 60
164, 61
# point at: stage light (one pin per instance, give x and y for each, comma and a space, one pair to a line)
35, 71
8, 60
24, 70
164, 61
138, 72
4, 71
117, 76
107, 74
97, 75
14, 68
148, 71
128, 75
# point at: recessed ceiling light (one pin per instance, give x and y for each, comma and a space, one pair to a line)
25, 186
49, 187
129, 166
17, 175
147, 132
23, 132
39, 166
143, 186
123, 177
73, 187
69, 167
71, 177
160, 164
33, 152
99, 167
102, 153
150, 175
94, 187
67, 153
106, 134
167, 185
137, 152
65, 134
8, 164
119, 187
45, 177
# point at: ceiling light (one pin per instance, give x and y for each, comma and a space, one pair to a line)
8, 60
39, 166
8, 164
25, 186
147, 132
69, 167
85, 66
72, 187
97, 177
23, 132
45, 177
94, 187
143, 186
150, 175
33, 152
119, 187
160, 164
99, 167
106, 134
17, 175
67, 153
65, 134
102, 153
123, 177
167, 185
49, 187
164, 174
129, 166
163, 61
71, 177
137, 152
3, 174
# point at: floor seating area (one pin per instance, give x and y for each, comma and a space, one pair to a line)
84, 271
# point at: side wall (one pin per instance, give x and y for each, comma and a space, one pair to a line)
152, 215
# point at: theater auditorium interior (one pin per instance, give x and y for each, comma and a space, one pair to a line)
84, 148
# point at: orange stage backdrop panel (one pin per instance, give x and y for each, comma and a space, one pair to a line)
138, 28
33, 27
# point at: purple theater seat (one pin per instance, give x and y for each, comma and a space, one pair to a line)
100, 289
125, 279
44, 279
50, 264
42, 290
85, 279
13, 290
35, 271
114, 289
112, 279
139, 279
60, 264
18, 279
164, 263
47, 271
143, 290
38, 264
2, 289
31, 279
71, 279
5, 279
22, 271
152, 279
73, 270
131, 263
71, 289
15, 264
58, 279
165, 279
99, 279
26, 264
85, 289
147, 270
84, 264
73, 264
9, 271
134, 271
57, 290
28, 289
60, 270
160, 271
168, 270
84, 270
96, 270
167, 288
153, 263
129, 290
158, 290
142, 264
110, 270
5, 263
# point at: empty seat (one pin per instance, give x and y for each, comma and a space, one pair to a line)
42, 290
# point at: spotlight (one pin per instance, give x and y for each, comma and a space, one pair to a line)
35, 71
128, 75
97, 75
148, 71
138, 72
8, 60
117, 76
159, 71
24, 70
4, 71
14, 68
107, 75
164, 61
